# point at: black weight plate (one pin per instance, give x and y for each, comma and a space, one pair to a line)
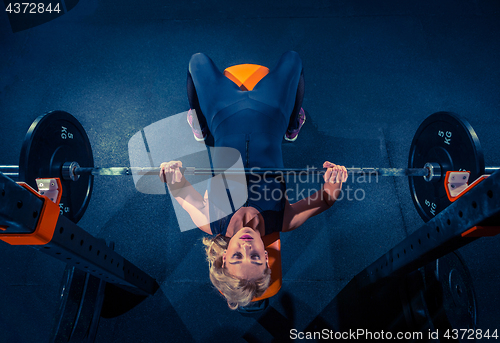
77, 318
449, 140
53, 139
71, 292
453, 303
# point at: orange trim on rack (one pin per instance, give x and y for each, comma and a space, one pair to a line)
46, 224
482, 231
472, 185
476, 231
246, 76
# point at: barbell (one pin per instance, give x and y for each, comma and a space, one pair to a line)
56, 145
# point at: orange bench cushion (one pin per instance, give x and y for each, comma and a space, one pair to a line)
273, 248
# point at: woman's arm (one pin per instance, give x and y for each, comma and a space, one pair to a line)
185, 194
296, 214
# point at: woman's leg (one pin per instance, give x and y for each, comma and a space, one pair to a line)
208, 89
194, 104
294, 122
284, 87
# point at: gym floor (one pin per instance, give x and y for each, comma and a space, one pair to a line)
374, 70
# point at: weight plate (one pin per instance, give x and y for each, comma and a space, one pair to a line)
449, 140
71, 292
453, 303
53, 139
81, 298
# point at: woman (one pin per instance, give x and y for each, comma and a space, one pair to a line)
253, 124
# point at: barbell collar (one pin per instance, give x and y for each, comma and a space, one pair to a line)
68, 171
434, 172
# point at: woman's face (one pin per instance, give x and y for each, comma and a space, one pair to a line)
245, 256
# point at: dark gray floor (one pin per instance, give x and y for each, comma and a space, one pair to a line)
374, 71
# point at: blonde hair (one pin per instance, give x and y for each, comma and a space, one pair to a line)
238, 292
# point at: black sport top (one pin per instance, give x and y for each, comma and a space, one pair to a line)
269, 202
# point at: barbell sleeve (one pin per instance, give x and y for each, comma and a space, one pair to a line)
490, 170
10, 171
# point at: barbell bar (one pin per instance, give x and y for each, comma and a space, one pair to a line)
112, 171
71, 171
56, 145
259, 171
10, 171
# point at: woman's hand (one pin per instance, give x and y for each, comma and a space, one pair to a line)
334, 173
170, 172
